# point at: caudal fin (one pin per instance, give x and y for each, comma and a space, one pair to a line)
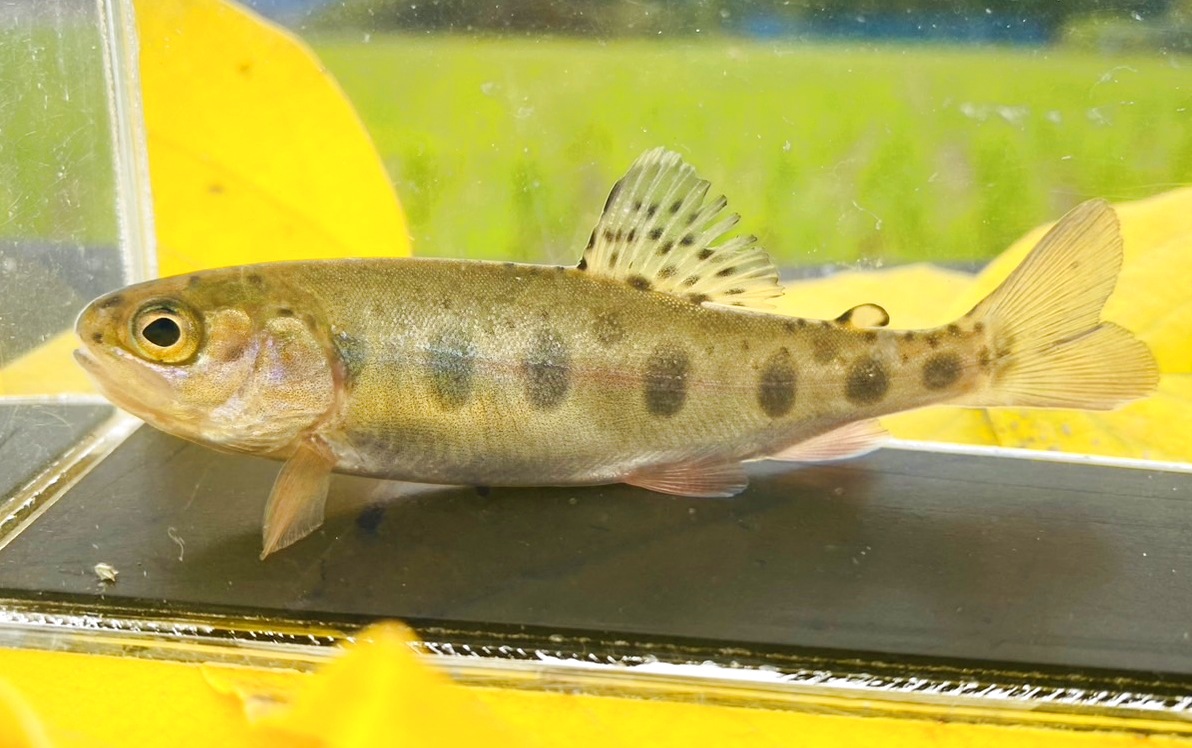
1049, 346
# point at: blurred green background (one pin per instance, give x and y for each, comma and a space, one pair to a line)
832, 152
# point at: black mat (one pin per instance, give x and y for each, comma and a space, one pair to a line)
901, 552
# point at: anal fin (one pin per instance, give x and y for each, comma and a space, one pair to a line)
707, 478
296, 504
851, 440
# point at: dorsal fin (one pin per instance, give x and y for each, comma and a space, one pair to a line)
865, 315
659, 232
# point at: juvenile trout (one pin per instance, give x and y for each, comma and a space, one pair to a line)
653, 362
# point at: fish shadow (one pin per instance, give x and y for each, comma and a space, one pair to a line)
815, 555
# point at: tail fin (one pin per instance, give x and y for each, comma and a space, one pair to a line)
1050, 348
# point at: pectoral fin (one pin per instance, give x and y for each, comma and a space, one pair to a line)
295, 507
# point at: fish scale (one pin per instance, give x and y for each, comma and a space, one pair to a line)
654, 362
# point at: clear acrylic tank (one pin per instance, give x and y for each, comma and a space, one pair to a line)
850, 135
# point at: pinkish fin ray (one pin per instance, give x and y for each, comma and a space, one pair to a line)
706, 478
851, 440
295, 507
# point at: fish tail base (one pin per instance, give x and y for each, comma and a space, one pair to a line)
1049, 346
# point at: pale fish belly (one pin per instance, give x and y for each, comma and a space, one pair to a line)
525, 375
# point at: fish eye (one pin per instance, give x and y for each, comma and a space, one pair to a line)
165, 332
162, 332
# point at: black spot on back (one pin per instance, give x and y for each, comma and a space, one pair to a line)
983, 357
547, 370
666, 247
687, 240
667, 271
725, 272
823, 347
451, 367
667, 370
608, 328
776, 386
640, 282
655, 234
353, 354
675, 206
705, 253
867, 382
583, 264
942, 370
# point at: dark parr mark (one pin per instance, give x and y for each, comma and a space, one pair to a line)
776, 387
451, 368
667, 369
608, 328
867, 382
941, 370
547, 370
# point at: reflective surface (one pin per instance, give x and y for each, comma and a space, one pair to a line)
902, 552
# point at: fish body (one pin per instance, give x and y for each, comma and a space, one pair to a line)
653, 362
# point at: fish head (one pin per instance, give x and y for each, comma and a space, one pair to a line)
220, 357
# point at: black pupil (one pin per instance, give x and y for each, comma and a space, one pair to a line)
162, 332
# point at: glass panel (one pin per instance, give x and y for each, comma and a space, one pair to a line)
60, 243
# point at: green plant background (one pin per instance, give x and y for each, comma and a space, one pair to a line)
506, 148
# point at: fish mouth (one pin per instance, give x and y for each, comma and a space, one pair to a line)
84, 359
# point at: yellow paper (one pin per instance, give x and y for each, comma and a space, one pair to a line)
254, 152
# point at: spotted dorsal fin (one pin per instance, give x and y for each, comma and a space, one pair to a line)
659, 231
865, 315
